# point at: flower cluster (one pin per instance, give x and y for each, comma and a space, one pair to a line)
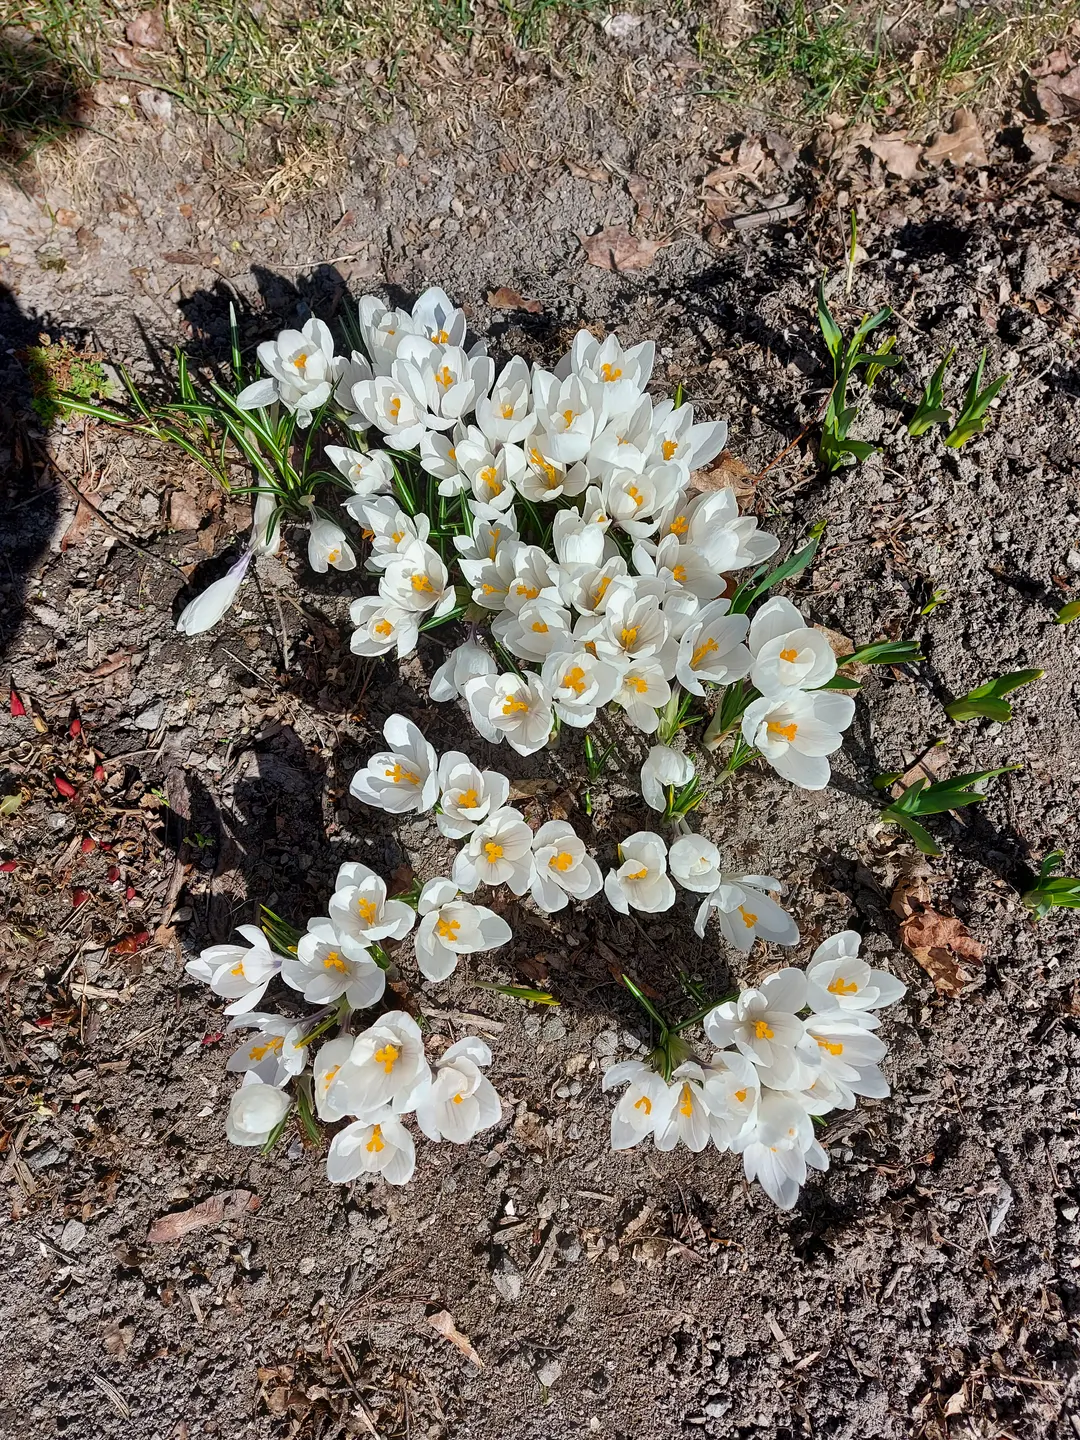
790, 1050
373, 1077
552, 864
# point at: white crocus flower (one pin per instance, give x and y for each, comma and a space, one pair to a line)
543, 479
207, 608
624, 443
377, 1146
239, 973
635, 500
437, 319
564, 869
643, 691
580, 683
255, 1111
467, 795
442, 381
388, 403
381, 627
620, 375
848, 1057
329, 545
417, 579
641, 881
492, 474
273, 1054
384, 1068
764, 1026
732, 1088
712, 524
788, 654
586, 587
369, 472
402, 778
580, 544
642, 1107
492, 575
451, 927
302, 372
747, 913
439, 457
506, 417
778, 1146
536, 577
488, 538
694, 863
390, 530
689, 1118
677, 440
383, 330
664, 769
681, 567
349, 371
633, 627
497, 852
795, 730
534, 631
459, 1101
711, 649
836, 979
514, 708
464, 663
359, 907
567, 415
329, 965
326, 1067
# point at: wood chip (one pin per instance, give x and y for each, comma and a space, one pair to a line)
229, 1205
443, 1322
615, 249
769, 217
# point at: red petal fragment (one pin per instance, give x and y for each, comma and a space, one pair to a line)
15, 703
8, 867
114, 875
88, 844
65, 787
79, 897
130, 894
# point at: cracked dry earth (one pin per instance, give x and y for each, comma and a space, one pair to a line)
926, 1286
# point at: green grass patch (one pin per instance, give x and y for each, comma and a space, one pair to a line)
53, 367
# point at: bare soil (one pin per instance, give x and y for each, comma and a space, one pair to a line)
926, 1286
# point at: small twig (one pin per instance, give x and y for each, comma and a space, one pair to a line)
801, 436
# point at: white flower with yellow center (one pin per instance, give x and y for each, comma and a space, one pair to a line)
681, 567
497, 852
327, 1065
848, 1057
451, 927
568, 413
255, 1111
711, 649
635, 499
534, 631
689, 1118
505, 416
712, 524
536, 577
580, 683
586, 587
644, 1105
388, 403
439, 457
491, 475
643, 691
402, 778
732, 1087
514, 708
417, 579
359, 907
467, 795
459, 1101
377, 1146
239, 973
442, 382
778, 1146
382, 627
329, 964
788, 654
387, 527
622, 375
543, 479
328, 545
746, 913
563, 868
385, 1068
633, 627
641, 881
580, 543
438, 320
491, 576
383, 330
837, 979
369, 472
464, 663
694, 863
664, 772
624, 443
302, 372
677, 440
488, 539
796, 729
273, 1053
764, 1025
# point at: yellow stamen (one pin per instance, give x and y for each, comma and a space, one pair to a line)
399, 775
574, 679
333, 556
366, 909
397, 536
368, 534
537, 460
637, 497
376, 1143
628, 636
383, 628
451, 454
328, 1077
515, 707
610, 373
687, 1106
458, 1099
833, 1047
468, 800
790, 654
641, 874
237, 969
569, 416
539, 627
493, 851
562, 861
645, 1103
740, 1095
601, 591
441, 337
706, 648
763, 1030
840, 986
507, 412
749, 919
257, 1052
786, 732
333, 961
444, 378
301, 361
447, 929
679, 574
422, 585
395, 408
530, 592
680, 525
640, 685
387, 1056
668, 449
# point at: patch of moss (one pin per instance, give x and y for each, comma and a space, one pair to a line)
54, 367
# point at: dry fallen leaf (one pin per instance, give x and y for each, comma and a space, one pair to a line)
229, 1205
899, 157
727, 472
443, 1322
82, 522
147, 30
529, 789
941, 944
616, 249
1059, 95
506, 299
962, 145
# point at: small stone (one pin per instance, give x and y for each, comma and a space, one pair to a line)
60, 822
549, 1373
605, 1042
148, 505
1073, 559
73, 1235
507, 1281
307, 1265
553, 1028
150, 718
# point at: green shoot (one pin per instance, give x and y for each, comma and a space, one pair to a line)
921, 798
760, 583
518, 992
938, 597
931, 408
853, 246
596, 762
881, 652
988, 701
977, 402
1047, 894
283, 936
1068, 613
836, 449
875, 367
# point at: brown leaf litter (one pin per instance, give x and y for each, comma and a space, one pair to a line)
443, 1322
962, 144
615, 249
229, 1205
941, 944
